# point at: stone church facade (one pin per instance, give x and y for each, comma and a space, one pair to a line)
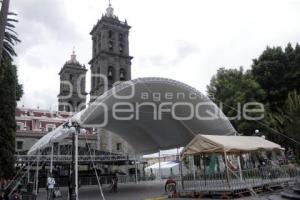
110, 64
110, 61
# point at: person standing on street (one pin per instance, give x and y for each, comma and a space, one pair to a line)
50, 185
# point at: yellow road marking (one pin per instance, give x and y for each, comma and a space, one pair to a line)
156, 198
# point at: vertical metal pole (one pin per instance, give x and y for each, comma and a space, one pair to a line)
226, 166
98, 132
181, 173
204, 168
239, 164
51, 159
159, 166
136, 171
58, 149
76, 164
240, 168
37, 173
193, 165
73, 193
28, 172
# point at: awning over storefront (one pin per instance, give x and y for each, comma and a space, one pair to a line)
229, 144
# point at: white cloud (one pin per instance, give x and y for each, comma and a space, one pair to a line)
183, 40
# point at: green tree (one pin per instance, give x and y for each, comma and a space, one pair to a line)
231, 89
278, 73
10, 92
287, 121
7, 118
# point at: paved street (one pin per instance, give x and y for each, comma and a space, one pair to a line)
129, 191
141, 191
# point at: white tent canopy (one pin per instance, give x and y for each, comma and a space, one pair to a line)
164, 169
145, 99
163, 165
229, 144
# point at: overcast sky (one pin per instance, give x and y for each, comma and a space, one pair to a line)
186, 40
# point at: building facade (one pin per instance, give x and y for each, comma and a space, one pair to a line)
32, 124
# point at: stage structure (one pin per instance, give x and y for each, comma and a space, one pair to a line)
151, 114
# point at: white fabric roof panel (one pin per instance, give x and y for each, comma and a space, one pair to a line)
56, 135
145, 133
230, 144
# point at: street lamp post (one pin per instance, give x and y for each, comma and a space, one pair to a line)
75, 130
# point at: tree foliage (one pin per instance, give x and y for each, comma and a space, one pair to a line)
278, 73
287, 120
10, 92
7, 118
231, 89
274, 79
10, 37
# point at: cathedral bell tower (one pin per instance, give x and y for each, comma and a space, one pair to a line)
72, 94
110, 61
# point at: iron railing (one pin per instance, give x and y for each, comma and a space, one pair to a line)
251, 178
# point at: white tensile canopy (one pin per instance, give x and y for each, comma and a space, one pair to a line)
160, 114
229, 144
56, 135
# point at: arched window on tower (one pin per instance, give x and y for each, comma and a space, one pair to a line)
71, 78
121, 37
121, 43
111, 46
98, 77
110, 74
110, 34
99, 42
111, 40
122, 74
121, 48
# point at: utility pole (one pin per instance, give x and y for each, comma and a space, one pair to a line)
3, 20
